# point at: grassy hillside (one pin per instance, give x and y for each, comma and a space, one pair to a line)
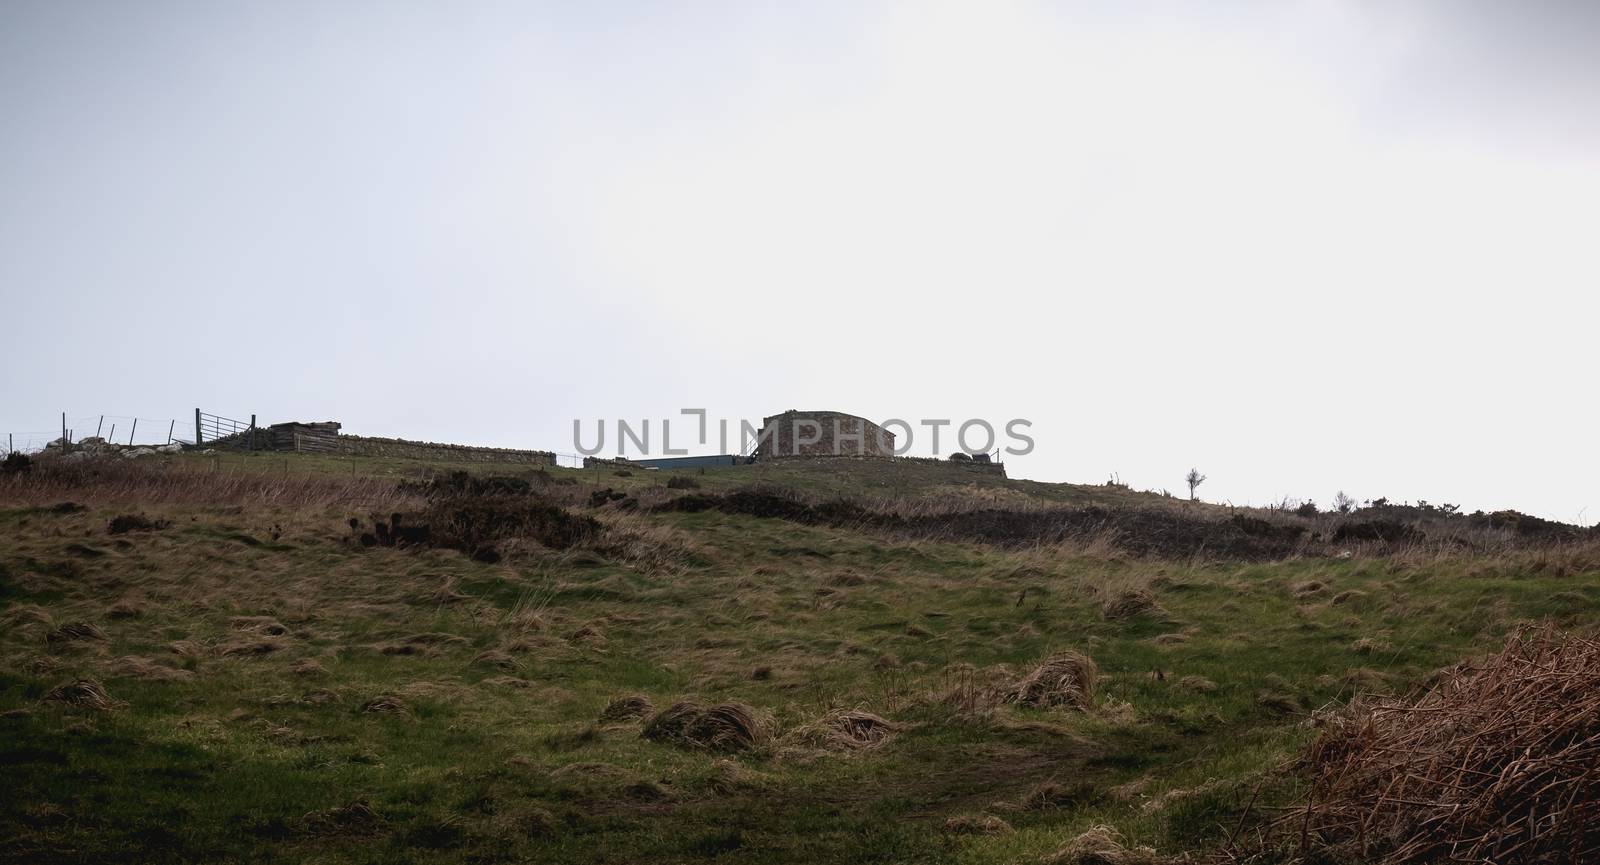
274, 690
840, 476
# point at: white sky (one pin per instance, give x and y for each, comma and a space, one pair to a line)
1305, 246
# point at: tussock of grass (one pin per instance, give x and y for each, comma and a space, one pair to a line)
1348, 596
1064, 679
629, 708
1307, 589
356, 818
721, 727
847, 730
495, 659
977, 824
76, 632
386, 704
1103, 845
83, 694
186, 648
248, 646
127, 608
144, 668
1129, 603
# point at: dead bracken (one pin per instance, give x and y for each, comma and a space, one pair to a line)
1430, 776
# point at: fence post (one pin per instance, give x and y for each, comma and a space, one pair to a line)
99, 425
196, 427
170, 427
63, 432
113, 431
132, 431
252, 432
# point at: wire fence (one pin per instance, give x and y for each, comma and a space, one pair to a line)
127, 430
131, 431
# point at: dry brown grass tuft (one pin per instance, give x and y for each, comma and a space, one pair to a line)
356, 818
1129, 603
1198, 684
308, 667
1064, 679
446, 594
1052, 794
1348, 596
266, 625
186, 648
1369, 645
42, 665
127, 608
249, 646
848, 730
386, 704
25, 614
723, 727
649, 546
135, 667
590, 771
1307, 589
977, 824
629, 708
495, 659
83, 694
1102, 845
730, 777
76, 632
421, 644
1496, 761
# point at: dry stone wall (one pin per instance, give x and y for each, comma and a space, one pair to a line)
325, 438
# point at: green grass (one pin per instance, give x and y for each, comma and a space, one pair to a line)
232, 761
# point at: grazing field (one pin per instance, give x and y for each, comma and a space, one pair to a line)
249, 658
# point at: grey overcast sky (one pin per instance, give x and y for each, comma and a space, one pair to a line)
1304, 246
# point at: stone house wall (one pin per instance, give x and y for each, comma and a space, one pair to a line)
835, 434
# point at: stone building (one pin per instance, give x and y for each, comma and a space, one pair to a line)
822, 433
